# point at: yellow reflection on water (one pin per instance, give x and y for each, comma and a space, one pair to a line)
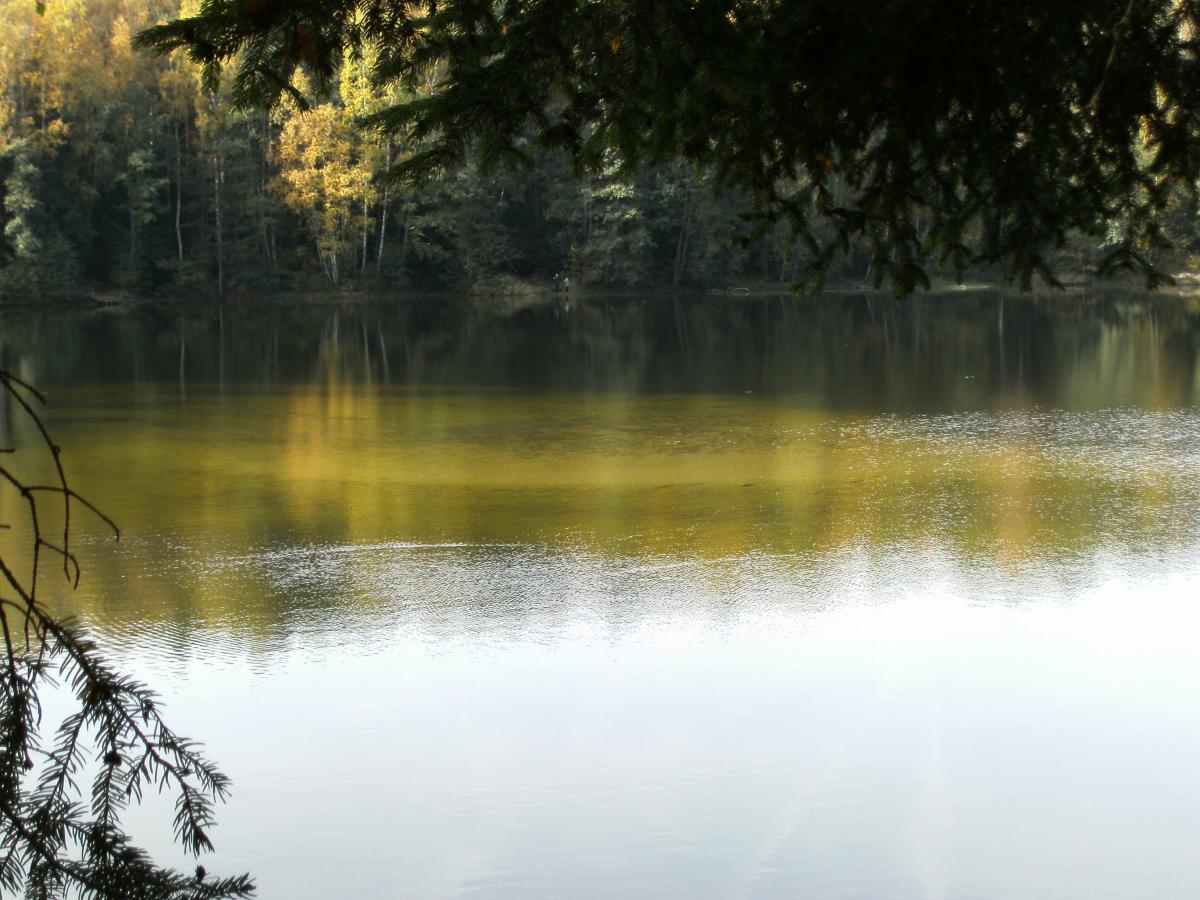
208, 475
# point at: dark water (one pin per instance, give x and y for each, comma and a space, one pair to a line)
842, 597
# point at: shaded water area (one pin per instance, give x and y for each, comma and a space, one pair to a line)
839, 597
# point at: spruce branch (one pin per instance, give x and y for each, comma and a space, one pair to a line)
52, 843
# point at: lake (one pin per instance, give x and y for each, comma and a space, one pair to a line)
714, 597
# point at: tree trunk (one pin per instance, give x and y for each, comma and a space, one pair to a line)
324, 262
681, 245
387, 165
218, 172
132, 194
362, 266
178, 192
404, 229
268, 233
382, 232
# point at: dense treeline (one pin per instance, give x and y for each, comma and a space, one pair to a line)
118, 170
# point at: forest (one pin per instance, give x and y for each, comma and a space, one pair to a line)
121, 173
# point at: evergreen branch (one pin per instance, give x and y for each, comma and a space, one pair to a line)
48, 843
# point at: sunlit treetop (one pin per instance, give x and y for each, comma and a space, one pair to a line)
962, 131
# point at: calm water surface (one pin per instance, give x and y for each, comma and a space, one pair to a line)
821, 598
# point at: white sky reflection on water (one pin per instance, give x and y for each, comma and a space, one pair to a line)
737, 728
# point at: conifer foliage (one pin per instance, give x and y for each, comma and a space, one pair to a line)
961, 131
58, 838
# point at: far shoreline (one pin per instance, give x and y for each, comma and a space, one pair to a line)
534, 294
